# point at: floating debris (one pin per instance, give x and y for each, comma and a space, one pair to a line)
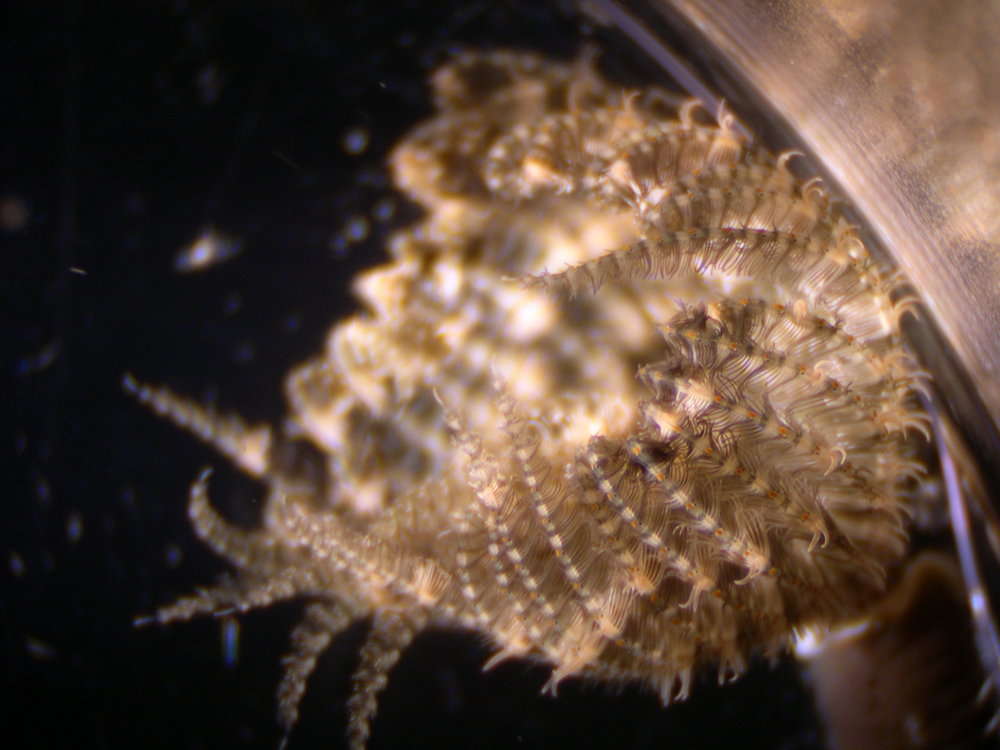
74, 527
14, 213
210, 249
230, 641
42, 360
355, 141
39, 649
384, 210
16, 563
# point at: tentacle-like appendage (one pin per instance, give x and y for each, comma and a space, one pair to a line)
688, 253
248, 447
742, 548
323, 621
247, 593
206, 600
247, 550
601, 466
391, 632
496, 500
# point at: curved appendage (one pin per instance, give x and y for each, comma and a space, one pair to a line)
391, 632
323, 621
248, 447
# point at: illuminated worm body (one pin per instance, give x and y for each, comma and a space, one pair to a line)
631, 400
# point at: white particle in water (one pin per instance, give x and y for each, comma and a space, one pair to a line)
74, 527
357, 229
17, 566
355, 141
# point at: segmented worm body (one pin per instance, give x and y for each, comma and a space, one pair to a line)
631, 399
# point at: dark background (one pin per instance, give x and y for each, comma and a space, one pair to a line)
127, 128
